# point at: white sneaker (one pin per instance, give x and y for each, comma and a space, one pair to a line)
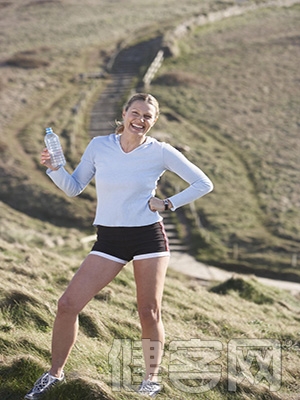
45, 382
149, 388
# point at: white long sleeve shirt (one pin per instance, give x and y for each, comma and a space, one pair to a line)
126, 181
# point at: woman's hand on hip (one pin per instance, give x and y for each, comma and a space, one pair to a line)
156, 204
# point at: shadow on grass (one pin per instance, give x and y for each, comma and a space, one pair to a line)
21, 310
18, 378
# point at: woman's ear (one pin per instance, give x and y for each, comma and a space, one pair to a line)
123, 113
154, 122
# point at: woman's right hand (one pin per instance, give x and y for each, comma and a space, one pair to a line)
46, 159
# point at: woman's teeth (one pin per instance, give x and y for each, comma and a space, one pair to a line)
137, 126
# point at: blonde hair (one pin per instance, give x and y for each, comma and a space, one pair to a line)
146, 97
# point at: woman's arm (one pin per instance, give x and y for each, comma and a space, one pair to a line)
72, 184
199, 183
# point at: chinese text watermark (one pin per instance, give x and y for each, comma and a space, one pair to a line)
194, 366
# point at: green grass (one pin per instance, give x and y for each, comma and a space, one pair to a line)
34, 276
230, 101
236, 110
227, 96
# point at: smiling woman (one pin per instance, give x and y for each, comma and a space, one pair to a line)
129, 228
139, 115
140, 100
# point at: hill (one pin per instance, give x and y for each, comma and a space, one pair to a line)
230, 95
207, 324
232, 92
229, 101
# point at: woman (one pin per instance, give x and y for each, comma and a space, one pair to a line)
127, 166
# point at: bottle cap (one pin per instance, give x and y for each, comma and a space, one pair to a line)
49, 130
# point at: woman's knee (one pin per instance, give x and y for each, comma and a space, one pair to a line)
65, 305
150, 314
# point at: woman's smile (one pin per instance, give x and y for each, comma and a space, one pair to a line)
137, 126
139, 118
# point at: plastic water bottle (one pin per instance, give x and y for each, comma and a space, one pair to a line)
55, 150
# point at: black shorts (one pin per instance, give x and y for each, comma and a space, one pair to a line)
123, 244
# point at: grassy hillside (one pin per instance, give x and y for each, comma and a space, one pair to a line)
36, 264
46, 46
233, 92
229, 101
231, 95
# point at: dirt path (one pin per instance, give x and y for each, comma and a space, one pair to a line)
124, 69
206, 274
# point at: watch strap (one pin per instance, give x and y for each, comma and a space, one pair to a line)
166, 203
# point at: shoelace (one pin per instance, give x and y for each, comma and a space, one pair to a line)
149, 386
45, 381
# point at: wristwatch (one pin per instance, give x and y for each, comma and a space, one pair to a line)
166, 203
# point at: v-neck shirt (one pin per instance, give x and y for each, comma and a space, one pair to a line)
126, 181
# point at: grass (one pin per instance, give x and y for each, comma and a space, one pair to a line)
226, 96
229, 100
34, 276
236, 110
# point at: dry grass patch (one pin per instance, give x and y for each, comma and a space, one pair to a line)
26, 60
178, 78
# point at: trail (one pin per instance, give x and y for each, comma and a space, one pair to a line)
207, 274
124, 70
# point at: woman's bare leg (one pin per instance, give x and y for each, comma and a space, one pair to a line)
150, 278
94, 274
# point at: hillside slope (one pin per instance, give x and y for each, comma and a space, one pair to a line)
49, 48
231, 95
203, 327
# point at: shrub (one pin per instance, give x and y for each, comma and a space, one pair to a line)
26, 61
247, 289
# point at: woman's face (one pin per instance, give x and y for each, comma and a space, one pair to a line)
139, 118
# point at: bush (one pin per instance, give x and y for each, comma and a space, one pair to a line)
247, 289
26, 61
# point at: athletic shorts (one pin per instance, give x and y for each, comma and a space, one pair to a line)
123, 244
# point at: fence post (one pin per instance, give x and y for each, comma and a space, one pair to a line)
294, 260
154, 67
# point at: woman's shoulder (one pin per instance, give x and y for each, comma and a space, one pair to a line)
98, 143
105, 138
165, 146
157, 142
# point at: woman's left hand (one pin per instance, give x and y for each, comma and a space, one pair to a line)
156, 204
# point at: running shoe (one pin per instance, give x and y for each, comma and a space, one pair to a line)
149, 388
44, 383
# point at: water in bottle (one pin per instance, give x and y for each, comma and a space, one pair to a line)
54, 147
